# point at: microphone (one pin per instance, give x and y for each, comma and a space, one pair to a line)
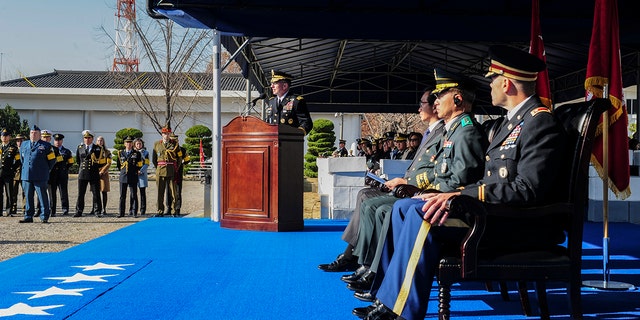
262, 96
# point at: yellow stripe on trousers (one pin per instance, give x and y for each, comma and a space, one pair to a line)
416, 252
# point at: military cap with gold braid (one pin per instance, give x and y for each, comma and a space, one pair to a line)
400, 137
513, 63
446, 80
277, 75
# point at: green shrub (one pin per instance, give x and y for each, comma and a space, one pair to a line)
118, 141
321, 141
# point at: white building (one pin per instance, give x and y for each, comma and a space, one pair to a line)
68, 102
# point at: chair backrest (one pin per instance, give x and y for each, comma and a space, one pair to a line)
580, 121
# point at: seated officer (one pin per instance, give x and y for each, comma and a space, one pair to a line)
458, 161
522, 165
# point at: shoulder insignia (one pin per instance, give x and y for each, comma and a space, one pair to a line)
272, 98
466, 120
299, 98
535, 111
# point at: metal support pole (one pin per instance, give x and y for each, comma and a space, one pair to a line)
216, 165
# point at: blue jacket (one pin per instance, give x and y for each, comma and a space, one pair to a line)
37, 160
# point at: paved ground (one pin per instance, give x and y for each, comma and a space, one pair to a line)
65, 231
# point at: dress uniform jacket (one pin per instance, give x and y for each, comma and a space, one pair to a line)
164, 158
292, 111
9, 161
37, 160
89, 162
523, 168
64, 160
182, 158
129, 163
53, 177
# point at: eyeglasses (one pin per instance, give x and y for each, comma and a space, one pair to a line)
442, 93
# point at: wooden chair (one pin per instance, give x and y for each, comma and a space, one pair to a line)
558, 263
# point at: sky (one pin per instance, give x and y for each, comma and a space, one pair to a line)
39, 36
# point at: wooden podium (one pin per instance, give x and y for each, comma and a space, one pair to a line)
262, 176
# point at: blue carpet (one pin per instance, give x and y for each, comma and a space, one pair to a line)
191, 268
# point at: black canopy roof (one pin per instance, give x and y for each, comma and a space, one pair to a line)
377, 56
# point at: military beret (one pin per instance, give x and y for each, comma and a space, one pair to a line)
4, 133
446, 80
165, 130
513, 63
277, 75
58, 136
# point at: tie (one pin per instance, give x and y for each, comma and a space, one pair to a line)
424, 137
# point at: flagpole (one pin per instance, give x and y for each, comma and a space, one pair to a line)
606, 283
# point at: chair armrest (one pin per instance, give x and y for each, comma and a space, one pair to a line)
465, 205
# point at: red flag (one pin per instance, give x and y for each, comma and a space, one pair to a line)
604, 68
536, 48
201, 155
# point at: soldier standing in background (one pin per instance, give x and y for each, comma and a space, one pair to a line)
105, 185
17, 181
182, 158
89, 159
164, 157
60, 172
46, 136
128, 162
37, 160
9, 162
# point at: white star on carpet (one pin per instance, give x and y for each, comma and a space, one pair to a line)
23, 308
54, 291
102, 266
82, 277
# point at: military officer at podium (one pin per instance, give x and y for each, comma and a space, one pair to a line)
285, 107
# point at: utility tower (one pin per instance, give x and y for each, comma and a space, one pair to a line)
126, 50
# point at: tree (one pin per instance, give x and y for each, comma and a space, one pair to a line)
174, 55
321, 143
194, 135
376, 124
118, 141
10, 120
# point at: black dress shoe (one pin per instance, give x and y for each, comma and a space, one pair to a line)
26, 220
159, 215
364, 296
363, 311
79, 214
341, 264
45, 221
349, 278
364, 283
381, 312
